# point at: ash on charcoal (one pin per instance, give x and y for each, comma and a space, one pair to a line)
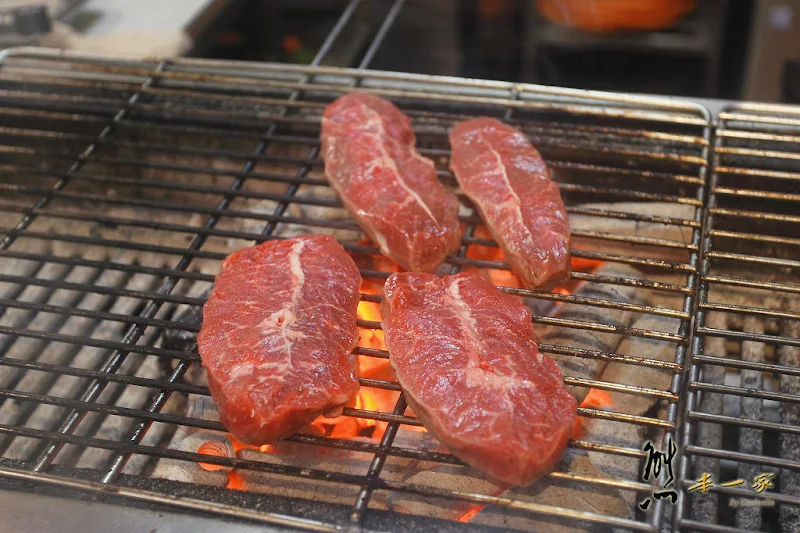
49, 417
191, 471
326, 207
284, 453
634, 228
176, 166
569, 494
112, 427
623, 435
550, 491
447, 477
304, 457
642, 376
751, 440
704, 509
588, 368
789, 481
33, 414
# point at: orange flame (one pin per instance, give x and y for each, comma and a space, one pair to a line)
236, 481
476, 508
506, 278
595, 399
371, 338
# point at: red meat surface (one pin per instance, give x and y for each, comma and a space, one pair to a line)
507, 180
277, 336
465, 355
386, 185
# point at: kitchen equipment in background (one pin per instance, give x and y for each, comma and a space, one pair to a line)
774, 44
615, 15
24, 22
682, 40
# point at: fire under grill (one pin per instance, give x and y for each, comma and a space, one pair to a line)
125, 182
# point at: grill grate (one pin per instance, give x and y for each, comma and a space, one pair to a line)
741, 413
125, 182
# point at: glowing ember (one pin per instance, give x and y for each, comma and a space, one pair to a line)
237, 446
227, 448
503, 278
475, 509
595, 399
236, 481
215, 448
585, 265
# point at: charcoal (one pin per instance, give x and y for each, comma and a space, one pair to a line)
590, 368
642, 376
183, 339
190, 471
621, 435
751, 440
634, 228
550, 491
575, 495
450, 477
343, 228
704, 506
789, 482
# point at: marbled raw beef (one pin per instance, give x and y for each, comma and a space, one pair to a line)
386, 185
278, 333
466, 357
507, 180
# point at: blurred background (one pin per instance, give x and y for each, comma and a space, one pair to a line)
730, 49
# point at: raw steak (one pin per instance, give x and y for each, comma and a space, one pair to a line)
277, 336
507, 180
466, 357
385, 184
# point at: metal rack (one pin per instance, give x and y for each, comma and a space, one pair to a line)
740, 417
126, 181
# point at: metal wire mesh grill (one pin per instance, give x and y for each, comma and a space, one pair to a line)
126, 182
742, 413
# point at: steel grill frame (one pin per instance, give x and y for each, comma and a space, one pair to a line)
751, 141
136, 81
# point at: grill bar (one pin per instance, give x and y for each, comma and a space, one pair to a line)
162, 396
749, 264
611, 154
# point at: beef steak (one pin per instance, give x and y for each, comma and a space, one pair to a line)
386, 185
465, 355
277, 336
507, 180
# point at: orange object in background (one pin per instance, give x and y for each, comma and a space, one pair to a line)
611, 15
